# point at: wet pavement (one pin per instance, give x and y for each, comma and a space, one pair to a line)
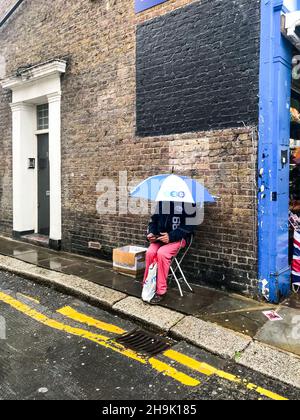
60, 348
228, 310
293, 301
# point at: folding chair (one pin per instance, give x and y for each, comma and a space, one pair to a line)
176, 269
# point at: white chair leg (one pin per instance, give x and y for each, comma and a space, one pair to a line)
177, 281
183, 275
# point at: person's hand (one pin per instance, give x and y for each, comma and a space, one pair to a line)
151, 238
164, 238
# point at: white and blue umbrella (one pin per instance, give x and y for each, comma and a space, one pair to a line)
173, 188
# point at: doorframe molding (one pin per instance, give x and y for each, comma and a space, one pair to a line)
274, 138
33, 86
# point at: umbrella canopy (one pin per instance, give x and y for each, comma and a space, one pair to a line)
173, 188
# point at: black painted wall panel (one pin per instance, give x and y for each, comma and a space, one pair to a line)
198, 68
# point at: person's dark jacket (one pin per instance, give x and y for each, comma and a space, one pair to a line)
173, 223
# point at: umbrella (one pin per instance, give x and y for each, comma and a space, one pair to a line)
173, 188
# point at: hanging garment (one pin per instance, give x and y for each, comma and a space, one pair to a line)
296, 261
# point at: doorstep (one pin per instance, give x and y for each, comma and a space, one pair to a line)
36, 239
230, 311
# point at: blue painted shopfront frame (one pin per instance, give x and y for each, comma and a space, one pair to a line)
141, 5
274, 139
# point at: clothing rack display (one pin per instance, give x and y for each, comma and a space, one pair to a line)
294, 216
295, 224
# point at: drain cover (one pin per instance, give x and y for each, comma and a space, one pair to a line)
143, 342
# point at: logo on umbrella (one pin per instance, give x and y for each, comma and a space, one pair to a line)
175, 194
179, 194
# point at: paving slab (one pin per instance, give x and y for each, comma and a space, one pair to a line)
156, 316
13, 249
231, 303
293, 301
283, 334
83, 270
272, 362
73, 284
192, 303
116, 281
35, 257
56, 263
245, 322
233, 312
211, 337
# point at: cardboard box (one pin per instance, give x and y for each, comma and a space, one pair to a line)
130, 260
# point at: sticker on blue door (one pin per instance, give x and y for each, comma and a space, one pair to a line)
141, 5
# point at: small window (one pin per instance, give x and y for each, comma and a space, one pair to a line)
43, 117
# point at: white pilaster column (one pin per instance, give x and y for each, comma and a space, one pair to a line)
55, 165
24, 179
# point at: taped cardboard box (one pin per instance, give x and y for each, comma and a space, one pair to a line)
130, 260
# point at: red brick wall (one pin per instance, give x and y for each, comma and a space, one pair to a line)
98, 138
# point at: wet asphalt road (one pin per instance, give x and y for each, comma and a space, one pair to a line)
46, 355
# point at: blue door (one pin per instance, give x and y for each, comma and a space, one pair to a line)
273, 158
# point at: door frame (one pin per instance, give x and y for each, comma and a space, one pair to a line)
36, 85
274, 139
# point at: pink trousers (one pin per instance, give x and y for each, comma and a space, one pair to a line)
164, 254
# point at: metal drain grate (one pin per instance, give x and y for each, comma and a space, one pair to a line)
143, 342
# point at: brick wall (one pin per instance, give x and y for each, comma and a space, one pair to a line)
5, 150
6, 165
99, 140
197, 68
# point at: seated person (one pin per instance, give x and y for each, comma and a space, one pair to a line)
167, 233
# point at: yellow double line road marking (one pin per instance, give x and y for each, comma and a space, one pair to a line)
29, 298
208, 370
98, 339
180, 358
91, 322
107, 342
